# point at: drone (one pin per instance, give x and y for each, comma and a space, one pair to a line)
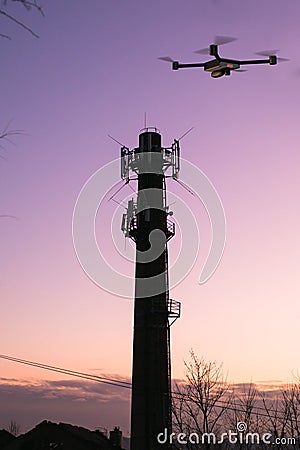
224, 66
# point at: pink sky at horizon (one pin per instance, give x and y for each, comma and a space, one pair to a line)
95, 71
89, 404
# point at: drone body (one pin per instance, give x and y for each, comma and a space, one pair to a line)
223, 66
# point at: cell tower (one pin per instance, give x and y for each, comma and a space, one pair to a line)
148, 224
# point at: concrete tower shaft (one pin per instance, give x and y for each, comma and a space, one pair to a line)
151, 354
148, 225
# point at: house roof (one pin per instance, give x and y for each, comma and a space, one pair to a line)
49, 435
5, 438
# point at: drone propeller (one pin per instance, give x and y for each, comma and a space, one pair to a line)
221, 40
218, 40
271, 52
267, 52
282, 59
166, 58
202, 51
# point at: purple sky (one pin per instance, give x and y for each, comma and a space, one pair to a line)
95, 71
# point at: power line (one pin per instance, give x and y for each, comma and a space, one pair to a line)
230, 402
87, 376
235, 409
127, 385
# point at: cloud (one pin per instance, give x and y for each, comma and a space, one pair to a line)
85, 403
268, 389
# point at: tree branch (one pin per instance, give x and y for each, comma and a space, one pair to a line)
5, 36
21, 24
5, 135
28, 5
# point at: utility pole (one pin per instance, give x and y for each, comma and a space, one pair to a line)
148, 224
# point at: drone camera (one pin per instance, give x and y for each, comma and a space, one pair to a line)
218, 73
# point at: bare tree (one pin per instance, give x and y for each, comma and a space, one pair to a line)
205, 405
244, 415
277, 414
291, 403
201, 400
14, 428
